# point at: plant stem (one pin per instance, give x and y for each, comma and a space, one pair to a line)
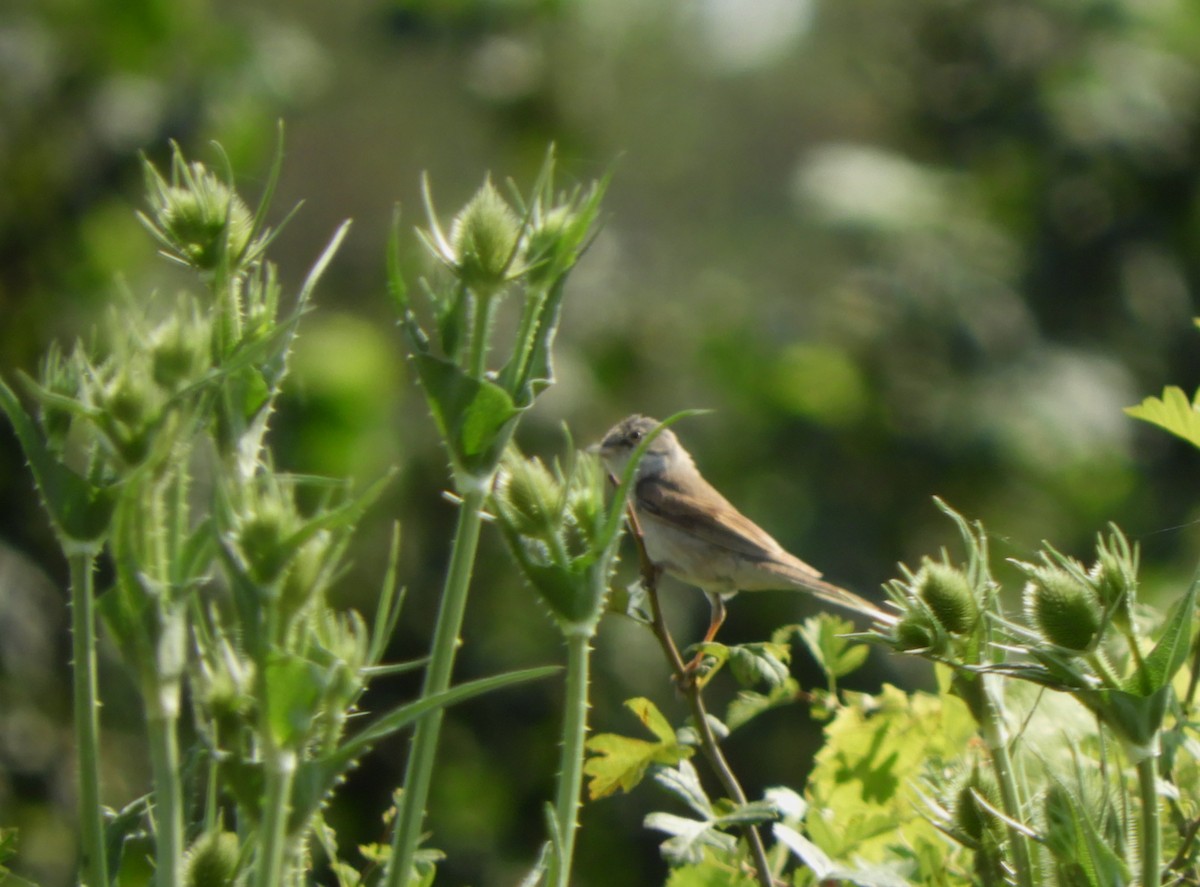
1151, 843
991, 725
570, 772
168, 800
280, 771
479, 334
692, 691
708, 741
419, 770
87, 717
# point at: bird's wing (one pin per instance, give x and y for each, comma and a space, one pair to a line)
711, 518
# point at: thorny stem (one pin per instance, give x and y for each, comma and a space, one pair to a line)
1151, 836
87, 720
570, 775
419, 772
692, 691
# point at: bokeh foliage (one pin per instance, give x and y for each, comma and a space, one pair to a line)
901, 248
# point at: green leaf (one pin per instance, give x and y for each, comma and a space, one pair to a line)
749, 704
689, 837
295, 686
760, 663
822, 634
826, 870
1136, 719
1169, 654
715, 870
621, 762
1172, 412
80, 511
475, 417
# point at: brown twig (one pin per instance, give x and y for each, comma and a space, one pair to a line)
686, 681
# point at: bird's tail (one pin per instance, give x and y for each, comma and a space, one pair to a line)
810, 581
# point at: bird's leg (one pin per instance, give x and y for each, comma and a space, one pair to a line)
714, 625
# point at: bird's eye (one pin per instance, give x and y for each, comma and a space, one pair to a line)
635, 436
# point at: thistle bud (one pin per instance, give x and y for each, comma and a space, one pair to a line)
529, 496
212, 860
917, 631
201, 218
948, 594
970, 816
1064, 610
484, 237
179, 351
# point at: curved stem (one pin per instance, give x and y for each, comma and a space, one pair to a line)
87, 719
419, 770
570, 773
708, 741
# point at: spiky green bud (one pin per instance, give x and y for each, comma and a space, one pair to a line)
916, 631
970, 816
1064, 610
949, 596
484, 237
529, 496
212, 860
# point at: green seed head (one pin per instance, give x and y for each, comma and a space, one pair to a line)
948, 594
212, 860
1065, 611
969, 814
204, 220
917, 631
529, 496
484, 236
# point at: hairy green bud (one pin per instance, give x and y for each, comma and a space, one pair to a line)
948, 594
1064, 610
212, 860
484, 238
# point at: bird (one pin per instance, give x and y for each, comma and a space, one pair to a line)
692, 532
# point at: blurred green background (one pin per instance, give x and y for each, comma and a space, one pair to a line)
901, 247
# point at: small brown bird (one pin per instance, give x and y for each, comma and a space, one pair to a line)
693, 532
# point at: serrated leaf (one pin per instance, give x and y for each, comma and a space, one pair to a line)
1169, 654
474, 416
80, 511
760, 663
684, 782
688, 838
621, 762
1173, 412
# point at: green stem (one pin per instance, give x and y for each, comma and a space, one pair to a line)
991, 725
87, 718
479, 334
419, 770
168, 800
570, 772
1151, 843
280, 772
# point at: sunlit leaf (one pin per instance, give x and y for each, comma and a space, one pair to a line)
621, 762
1173, 412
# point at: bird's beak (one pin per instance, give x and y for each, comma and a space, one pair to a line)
594, 449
